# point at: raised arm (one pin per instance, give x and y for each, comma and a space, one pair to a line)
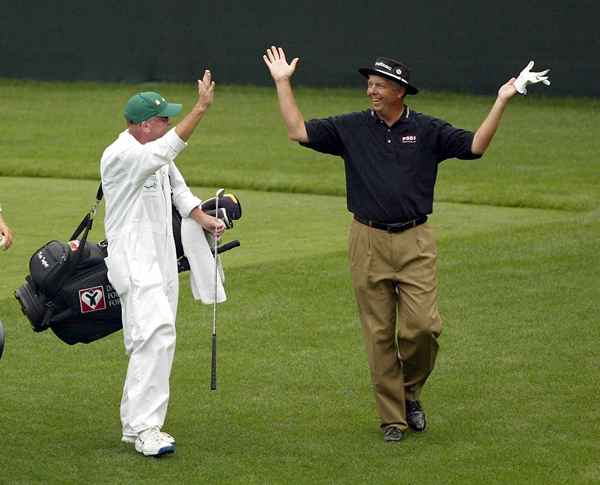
206, 92
487, 130
281, 72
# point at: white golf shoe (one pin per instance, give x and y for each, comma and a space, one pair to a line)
130, 438
152, 443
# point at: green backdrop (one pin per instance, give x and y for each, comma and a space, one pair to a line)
468, 46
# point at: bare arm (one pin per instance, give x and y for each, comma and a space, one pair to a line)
206, 91
487, 130
281, 72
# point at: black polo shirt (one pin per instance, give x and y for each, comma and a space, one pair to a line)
390, 171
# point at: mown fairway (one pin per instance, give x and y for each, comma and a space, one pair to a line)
514, 395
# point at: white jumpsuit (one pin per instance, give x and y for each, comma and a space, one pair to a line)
137, 181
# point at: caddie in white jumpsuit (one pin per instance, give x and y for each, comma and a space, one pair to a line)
139, 178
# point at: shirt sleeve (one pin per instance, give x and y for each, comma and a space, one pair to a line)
183, 198
453, 142
146, 159
324, 136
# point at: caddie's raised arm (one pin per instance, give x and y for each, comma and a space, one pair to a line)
206, 94
281, 72
487, 130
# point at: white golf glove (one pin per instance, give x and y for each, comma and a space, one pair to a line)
527, 77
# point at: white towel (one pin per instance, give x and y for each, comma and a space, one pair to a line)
202, 264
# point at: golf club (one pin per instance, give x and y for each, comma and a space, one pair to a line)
213, 368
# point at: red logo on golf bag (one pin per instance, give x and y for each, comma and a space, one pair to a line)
92, 299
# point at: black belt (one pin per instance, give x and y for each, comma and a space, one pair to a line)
394, 227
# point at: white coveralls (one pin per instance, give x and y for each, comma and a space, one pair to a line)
137, 181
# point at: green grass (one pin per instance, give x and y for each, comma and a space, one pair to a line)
544, 155
511, 401
513, 398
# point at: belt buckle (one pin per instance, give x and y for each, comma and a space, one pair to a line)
397, 227
401, 227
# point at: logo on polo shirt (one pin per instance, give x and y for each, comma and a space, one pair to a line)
409, 139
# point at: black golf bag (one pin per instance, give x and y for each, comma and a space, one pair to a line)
68, 290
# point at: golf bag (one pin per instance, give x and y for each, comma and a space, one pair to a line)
68, 290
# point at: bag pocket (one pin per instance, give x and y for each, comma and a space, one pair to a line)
49, 265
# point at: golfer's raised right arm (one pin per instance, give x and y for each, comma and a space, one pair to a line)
294, 121
281, 72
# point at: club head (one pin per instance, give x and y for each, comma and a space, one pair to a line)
219, 193
1, 339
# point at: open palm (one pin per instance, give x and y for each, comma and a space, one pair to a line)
278, 65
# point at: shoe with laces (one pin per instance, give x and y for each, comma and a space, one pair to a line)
129, 438
151, 443
392, 434
415, 416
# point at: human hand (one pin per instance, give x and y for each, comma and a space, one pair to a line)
214, 225
206, 91
507, 90
527, 77
278, 65
6, 236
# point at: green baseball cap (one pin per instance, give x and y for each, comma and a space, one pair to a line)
146, 105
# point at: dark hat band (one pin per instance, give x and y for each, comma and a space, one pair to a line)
389, 74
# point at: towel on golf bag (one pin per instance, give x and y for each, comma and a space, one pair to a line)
196, 248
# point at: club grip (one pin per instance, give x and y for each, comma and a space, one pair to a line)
227, 246
213, 367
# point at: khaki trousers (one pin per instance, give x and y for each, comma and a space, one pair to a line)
395, 283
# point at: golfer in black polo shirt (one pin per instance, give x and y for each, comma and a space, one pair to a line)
391, 155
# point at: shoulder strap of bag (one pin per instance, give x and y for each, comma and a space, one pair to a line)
86, 224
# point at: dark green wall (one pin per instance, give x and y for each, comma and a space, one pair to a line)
469, 46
